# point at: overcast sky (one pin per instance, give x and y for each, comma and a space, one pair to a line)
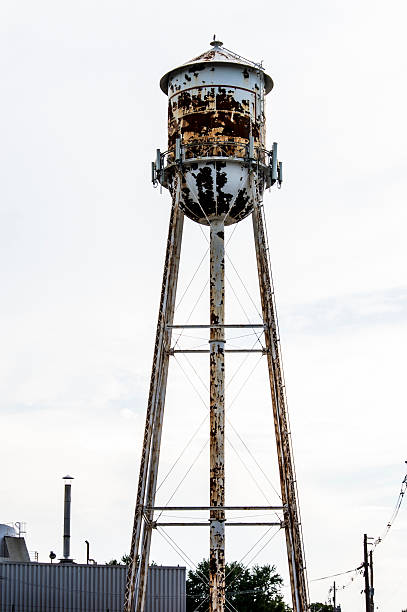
82, 238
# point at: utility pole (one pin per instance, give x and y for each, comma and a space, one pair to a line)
366, 571
334, 596
371, 581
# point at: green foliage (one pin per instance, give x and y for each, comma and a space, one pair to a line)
125, 560
249, 590
320, 607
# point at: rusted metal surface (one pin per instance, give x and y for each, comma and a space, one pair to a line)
228, 113
137, 571
230, 326
158, 422
289, 494
173, 351
217, 55
217, 418
189, 508
216, 110
229, 524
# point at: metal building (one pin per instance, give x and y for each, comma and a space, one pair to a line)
216, 169
47, 587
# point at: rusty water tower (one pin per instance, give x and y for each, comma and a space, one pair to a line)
216, 169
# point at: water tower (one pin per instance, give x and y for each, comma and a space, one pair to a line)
216, 169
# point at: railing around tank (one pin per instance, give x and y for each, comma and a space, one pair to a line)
184, 154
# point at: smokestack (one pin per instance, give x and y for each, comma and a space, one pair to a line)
67, 520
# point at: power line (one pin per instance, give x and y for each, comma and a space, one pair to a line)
335, 575
361, 568
394, 515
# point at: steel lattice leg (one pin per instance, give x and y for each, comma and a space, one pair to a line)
283, 441
138, 566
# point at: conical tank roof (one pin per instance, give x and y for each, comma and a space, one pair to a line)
217, 55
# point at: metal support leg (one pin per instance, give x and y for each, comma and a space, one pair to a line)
138, 566
283, 440
157, 427
217, 418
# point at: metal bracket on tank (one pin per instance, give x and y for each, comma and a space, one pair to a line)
253, 155
158, 167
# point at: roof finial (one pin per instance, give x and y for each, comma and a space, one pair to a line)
216, 43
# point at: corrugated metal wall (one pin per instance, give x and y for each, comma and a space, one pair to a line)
46, 587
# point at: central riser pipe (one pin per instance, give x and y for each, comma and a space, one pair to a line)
217, 417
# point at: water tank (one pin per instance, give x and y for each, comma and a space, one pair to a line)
216, 158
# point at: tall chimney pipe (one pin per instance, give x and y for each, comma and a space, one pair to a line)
67, 520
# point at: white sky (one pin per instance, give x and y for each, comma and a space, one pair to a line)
82, 246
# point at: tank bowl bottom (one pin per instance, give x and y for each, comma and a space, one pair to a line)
218, 189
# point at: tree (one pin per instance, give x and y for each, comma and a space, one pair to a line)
320, 607
249, 590
125, 560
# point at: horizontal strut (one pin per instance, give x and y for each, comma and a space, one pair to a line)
155, 525
180, 508
173, 351
228, 326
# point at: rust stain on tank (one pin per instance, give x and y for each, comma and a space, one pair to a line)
206, 113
